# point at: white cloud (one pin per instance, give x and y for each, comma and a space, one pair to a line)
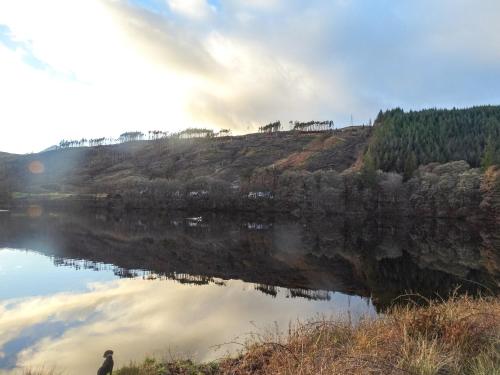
265, 5
198, 9
135, 70
114, 88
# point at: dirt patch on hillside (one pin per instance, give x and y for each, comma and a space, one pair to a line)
298, 160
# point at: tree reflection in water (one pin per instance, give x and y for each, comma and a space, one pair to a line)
378, 259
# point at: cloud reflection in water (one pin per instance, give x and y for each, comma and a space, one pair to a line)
138, 317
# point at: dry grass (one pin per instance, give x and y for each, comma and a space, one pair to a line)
299, 159
459, 336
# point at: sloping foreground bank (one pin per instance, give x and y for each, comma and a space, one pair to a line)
460, 336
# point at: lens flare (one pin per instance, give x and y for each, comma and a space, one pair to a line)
34, 211
36, 167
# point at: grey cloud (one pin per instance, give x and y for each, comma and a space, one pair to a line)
164, 41
357, 56
277, 86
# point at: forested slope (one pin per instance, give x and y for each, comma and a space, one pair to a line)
432, 163
404, 140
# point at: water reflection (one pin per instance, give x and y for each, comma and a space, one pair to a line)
381, 259
144, 284
138, 317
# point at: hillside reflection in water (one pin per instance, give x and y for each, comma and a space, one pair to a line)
186, 283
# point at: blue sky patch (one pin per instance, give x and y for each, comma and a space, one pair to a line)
30, 336
22, 47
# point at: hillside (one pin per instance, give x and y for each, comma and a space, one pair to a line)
431, 163
230, 159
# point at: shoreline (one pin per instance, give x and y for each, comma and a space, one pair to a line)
458, 336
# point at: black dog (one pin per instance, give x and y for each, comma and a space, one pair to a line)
107, 366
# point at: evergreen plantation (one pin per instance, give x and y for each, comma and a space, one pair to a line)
402, 141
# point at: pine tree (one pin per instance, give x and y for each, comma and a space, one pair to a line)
489, 156
369, 171
410, 166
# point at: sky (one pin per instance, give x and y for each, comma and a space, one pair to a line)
72, 69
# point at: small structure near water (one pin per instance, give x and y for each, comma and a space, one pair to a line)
198, 194
260, 194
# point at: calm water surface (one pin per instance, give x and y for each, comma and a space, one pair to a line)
74, 285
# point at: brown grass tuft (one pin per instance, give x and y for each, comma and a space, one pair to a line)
460, 336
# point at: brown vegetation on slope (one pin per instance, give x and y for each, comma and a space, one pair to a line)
91, 169
299, 160
490, 187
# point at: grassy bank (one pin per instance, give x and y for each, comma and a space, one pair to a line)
460, 336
